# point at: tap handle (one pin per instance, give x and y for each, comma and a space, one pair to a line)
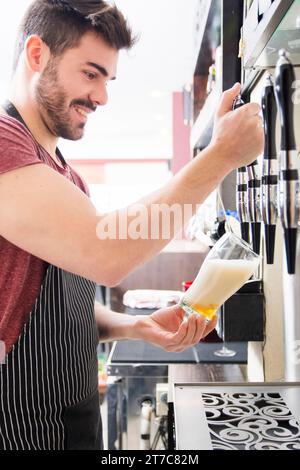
242, 169
269, 110
284, 79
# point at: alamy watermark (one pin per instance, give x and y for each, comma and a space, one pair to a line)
154, 222
2, 352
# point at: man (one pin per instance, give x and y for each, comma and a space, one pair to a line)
51, 251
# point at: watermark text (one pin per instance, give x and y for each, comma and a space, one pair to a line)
141, 222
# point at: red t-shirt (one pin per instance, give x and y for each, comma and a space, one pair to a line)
21, 274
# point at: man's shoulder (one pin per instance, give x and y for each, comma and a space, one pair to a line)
10, 126
8, 121
17, 146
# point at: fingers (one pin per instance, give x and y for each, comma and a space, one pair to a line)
189, 333
178, 311
238, 133
195, 330
227, 100
258, 134
252, 109
249, 118
210, 326
200, 330
179, 336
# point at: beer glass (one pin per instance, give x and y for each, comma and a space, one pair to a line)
229, 264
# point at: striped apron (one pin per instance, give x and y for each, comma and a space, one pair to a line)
49, 383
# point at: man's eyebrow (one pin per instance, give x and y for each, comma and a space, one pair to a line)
100, 69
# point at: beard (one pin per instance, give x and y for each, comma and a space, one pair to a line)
54, 108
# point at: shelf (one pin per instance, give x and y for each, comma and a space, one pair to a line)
221, 26
208, 39
208, 35
201, 25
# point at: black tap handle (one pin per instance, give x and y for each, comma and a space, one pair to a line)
253, 163
284, 79
242, 169
269, 110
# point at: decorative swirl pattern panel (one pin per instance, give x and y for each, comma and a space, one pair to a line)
250, 421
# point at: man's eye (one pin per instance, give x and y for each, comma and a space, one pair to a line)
90, 75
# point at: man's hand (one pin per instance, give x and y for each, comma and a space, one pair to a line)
171, 330
238, 134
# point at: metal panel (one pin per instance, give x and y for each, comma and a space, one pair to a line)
193, 432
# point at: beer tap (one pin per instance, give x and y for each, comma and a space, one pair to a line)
241, 194
254, 190
288, 175
270, 168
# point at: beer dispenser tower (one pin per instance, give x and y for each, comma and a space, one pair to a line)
289, 214
288, 175
270, 168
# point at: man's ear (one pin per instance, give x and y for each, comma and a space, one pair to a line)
36, 53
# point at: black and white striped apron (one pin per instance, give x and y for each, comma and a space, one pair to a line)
49, 383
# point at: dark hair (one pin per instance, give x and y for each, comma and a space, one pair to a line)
61, 25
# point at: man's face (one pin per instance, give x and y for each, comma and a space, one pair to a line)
74, 85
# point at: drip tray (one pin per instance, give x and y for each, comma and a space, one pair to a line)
222, 416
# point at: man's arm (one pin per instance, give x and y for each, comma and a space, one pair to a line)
113, 326
167, 328
46, 215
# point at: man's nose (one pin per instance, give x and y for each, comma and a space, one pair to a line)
99, 96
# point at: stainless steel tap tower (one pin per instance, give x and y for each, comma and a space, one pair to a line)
288, 175
289, 214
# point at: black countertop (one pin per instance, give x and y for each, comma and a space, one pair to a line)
141, 352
